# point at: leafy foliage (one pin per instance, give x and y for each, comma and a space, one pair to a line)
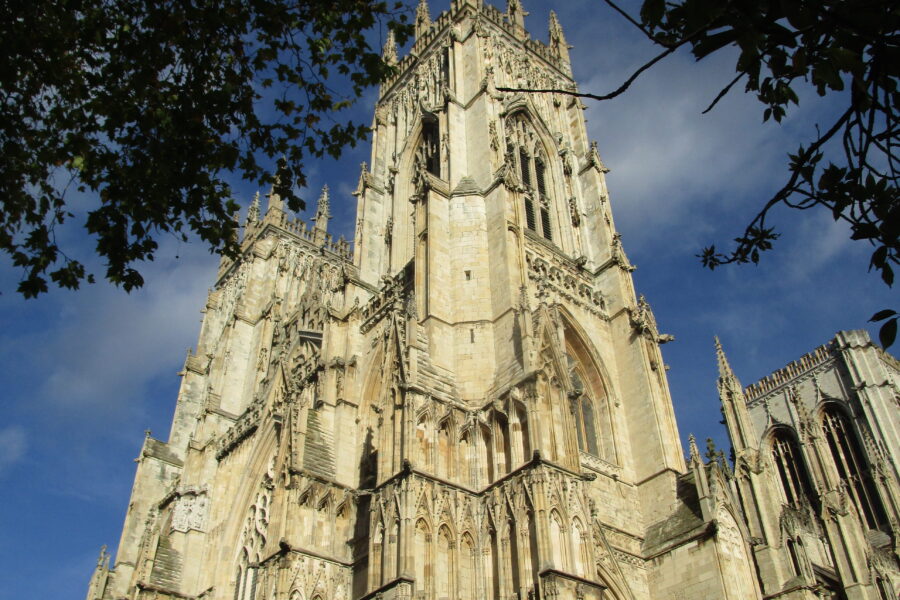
146, 106
846, 49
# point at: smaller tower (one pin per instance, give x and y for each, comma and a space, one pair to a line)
806, 444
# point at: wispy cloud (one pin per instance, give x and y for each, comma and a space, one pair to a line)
13, 444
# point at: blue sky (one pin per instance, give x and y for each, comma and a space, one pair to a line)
86, 373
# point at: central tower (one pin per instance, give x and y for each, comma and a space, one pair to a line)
472, 406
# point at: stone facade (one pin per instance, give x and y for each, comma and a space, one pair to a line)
471, 402
816, 452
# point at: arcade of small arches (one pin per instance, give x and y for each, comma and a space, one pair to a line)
502, 556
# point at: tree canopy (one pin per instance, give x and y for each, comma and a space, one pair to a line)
149, 106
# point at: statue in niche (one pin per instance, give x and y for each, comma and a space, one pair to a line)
495, 143
263, 359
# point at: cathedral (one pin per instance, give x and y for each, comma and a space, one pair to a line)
469, 401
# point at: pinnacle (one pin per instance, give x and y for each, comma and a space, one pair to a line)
695, 451
554, 23
423, 17
720, 355
253, 211
725, 371
389, 51
323, 211
515, 13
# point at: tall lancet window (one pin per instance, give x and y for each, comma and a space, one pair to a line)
790, 468
852, 466
526, 151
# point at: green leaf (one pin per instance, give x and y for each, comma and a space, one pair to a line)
709, 44
888, 333
881, 315
652, 12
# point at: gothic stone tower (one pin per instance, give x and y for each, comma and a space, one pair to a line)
472, 404
817, 447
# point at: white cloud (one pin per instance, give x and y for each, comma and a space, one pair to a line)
108, 345
13, 444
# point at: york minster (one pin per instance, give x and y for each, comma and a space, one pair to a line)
469, 400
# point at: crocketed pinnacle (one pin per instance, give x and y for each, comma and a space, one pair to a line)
389, 52
423, 18
558, 39
726, 374
556, 30
253, 211
515, 13
323, 210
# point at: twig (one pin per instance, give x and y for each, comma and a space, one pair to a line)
634, 22
788, 188
722, 93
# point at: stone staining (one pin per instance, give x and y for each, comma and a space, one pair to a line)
470, 402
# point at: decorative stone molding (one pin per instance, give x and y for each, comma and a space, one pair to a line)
563, 278
245, 426
599, 465
392, 294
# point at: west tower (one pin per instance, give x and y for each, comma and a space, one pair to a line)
471, 403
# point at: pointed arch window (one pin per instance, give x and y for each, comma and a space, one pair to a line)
852, 466
589, 398
492, 566
245, 580
789, 465
467, 569
558, 542
525, 149
445, 458
795, 558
